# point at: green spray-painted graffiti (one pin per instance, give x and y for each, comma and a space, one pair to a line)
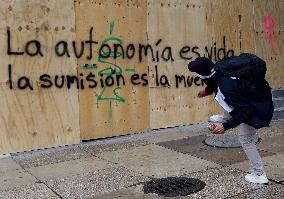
131, 70
111, 69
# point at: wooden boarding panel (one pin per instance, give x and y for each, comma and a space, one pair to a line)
224, 27
182, 26
34, 117
243, 22
113, 110
245, 16
269, 39
35, 20
38, 119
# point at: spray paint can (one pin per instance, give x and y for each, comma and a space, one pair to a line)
211, 127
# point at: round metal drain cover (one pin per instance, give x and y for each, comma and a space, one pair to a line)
174, 186
225, 141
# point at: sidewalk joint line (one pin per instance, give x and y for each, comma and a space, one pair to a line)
39, 181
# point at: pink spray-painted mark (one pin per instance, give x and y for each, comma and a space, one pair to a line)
269, 24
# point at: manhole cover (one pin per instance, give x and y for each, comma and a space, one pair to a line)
174, 186
225, 141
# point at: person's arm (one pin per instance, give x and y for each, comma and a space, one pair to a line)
242, 108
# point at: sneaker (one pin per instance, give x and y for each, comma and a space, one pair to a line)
218, 118
254, 178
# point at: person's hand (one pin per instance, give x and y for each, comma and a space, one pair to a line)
219, 129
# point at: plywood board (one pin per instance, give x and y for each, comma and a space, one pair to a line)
114, 110
268, 12
224, 27
181, 25
42, 117
246, 27
43, 21
39, 119
243, 23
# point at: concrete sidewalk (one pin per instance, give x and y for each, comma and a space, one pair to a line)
119, 167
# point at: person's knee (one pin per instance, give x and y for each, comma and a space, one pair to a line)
242, 140
246, 140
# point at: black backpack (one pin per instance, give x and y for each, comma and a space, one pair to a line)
249, 67
246, 65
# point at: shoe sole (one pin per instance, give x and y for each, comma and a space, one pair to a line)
266, 182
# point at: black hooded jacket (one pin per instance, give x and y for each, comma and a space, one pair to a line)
252, 102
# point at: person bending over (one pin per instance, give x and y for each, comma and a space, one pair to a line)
251, 109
